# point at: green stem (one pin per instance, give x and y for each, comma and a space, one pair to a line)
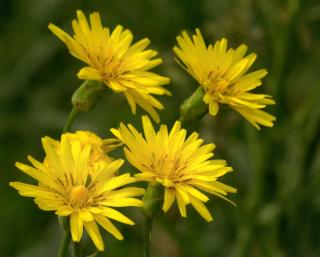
77, 249
63, 252
70, 120
147, 236
182, 120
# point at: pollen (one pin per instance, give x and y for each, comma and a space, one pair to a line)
167, 167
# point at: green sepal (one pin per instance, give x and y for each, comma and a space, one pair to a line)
153, 200
64, 222
193, 108
87, 95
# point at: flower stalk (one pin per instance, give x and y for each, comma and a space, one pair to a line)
147, 236
64, 223
72, 115
77, 249
153, 201
63, 252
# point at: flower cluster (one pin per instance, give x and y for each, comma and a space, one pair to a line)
80, 180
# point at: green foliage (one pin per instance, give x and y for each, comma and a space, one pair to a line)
277, 171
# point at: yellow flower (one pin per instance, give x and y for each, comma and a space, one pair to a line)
112, 59
99, 147
67, 187
222, 75
182, 165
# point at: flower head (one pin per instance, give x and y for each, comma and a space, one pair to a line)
112, 58
99, 147
182, 165
221, 72
67, 187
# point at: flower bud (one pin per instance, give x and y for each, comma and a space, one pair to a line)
193, 108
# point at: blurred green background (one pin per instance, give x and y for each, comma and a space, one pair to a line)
277, 171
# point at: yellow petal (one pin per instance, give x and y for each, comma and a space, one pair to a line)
107, 225
122, 202
183, 195
89, 74
76, 226
126, 192
181, 205
32, 191
213, 108
64, 211
169, 197
85, 215
201, 209
131, 102
116, 182
36, 174
49, 204
195, 193
148, 129
115, 215
145, 102
94, 233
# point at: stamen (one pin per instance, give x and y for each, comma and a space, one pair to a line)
78, 196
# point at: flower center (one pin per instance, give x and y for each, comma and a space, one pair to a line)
216, 84
78, 196
168, 168
110, 68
